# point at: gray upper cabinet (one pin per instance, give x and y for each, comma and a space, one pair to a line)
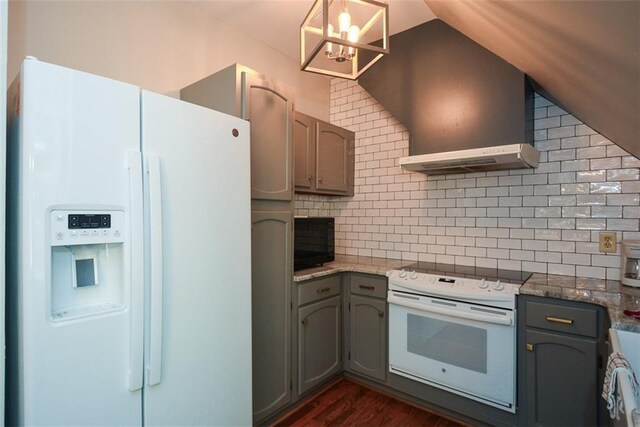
561, 358
334, 159
268, 105
304, 144
324, 158
270, 111
271, 311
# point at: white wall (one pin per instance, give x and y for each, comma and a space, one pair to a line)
161, 46
3, 136
544, 220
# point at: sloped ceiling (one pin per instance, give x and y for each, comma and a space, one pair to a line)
583, 55
277, 22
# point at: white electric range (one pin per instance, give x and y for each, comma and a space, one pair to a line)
454, 328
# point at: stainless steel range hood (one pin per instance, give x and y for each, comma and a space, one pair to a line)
513, 156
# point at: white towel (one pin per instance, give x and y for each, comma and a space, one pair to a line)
617, 365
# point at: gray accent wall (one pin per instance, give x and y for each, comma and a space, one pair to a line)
450, 92
584, 54
543, 220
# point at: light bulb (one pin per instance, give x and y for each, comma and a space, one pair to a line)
354, 34
344, 21
328, 47
330, 30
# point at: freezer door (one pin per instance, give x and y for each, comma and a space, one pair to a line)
198, 272
73, 143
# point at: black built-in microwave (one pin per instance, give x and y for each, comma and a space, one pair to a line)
313, 242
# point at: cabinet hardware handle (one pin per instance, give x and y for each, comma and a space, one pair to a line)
320, 179
380, 314
305, 321
559, 320
529, 347
368, 287
323, 290
310, 177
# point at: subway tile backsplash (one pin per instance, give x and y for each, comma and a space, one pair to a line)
543, 220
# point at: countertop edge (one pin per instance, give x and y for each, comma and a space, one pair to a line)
611, 295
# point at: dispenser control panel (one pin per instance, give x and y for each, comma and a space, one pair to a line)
75, 227
81, 221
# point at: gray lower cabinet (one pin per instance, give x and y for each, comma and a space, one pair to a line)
368, 325
271, 240
561, 356
367, 350
319, 331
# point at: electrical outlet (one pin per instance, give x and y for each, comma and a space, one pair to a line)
608, 241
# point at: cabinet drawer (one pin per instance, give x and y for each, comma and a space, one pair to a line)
370, 285
561, 318
318, 289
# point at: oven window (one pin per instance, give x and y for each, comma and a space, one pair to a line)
448, 342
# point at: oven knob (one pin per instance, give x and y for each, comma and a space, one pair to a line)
403, 274
483, 284
498, 286
414, 275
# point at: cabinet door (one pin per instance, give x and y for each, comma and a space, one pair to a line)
334, 159
270, 111
368, 328
304, 145
319, 340
271, 311
561, 375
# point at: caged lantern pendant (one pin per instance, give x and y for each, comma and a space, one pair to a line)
359, 38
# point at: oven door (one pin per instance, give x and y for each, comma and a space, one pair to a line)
463, 348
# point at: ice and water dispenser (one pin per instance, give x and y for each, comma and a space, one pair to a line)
87, 262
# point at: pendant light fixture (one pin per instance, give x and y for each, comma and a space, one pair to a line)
343, 38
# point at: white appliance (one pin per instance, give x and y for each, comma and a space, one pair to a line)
512, 156
456, 333
129, 256
630, 263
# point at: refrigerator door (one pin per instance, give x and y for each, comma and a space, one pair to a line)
198, 330
74, 137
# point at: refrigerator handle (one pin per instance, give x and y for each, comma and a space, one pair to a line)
155, 238
134, 164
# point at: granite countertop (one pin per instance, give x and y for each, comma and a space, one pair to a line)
350, 263
608, 293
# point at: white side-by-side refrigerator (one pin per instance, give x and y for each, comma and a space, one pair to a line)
129, 270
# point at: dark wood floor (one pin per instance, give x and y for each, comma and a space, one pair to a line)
346, 403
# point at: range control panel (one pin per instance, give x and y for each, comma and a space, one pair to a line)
75, 227
481, 291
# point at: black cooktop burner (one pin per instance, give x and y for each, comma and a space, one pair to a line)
490, 274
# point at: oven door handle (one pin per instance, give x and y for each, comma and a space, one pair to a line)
486, 318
